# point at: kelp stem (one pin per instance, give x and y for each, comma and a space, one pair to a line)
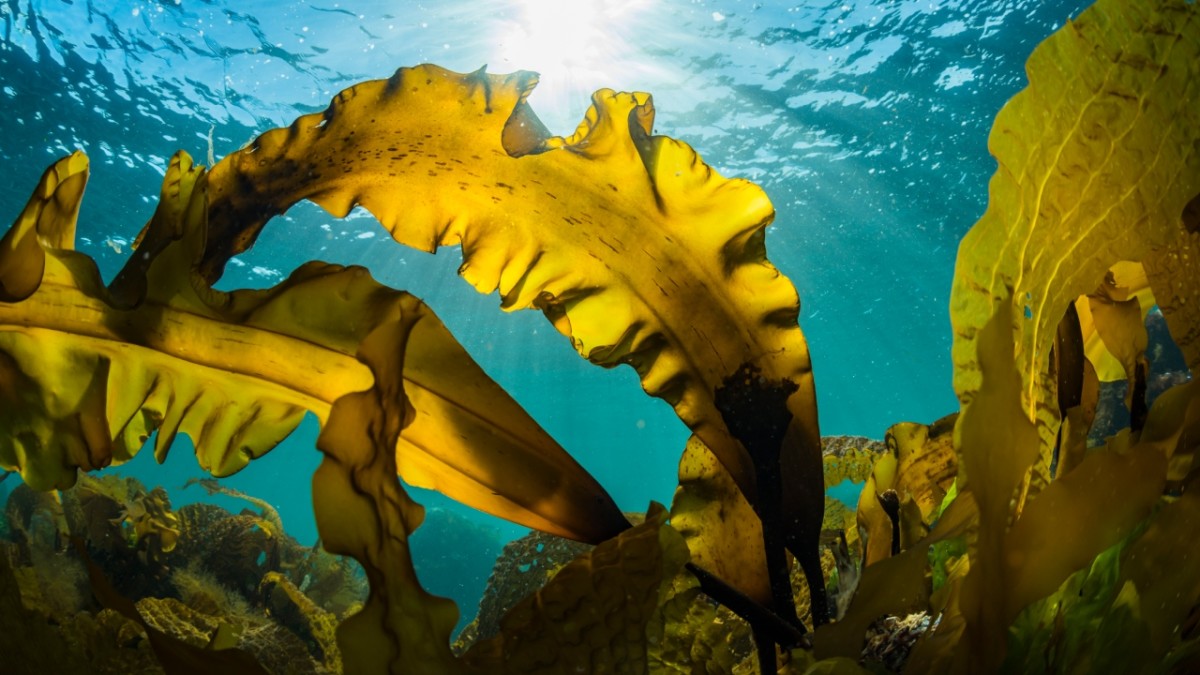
755, 411
770, 490
761, 619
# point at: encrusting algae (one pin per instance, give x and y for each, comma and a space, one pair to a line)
998, 539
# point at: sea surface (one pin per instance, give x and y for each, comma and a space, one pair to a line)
866, 123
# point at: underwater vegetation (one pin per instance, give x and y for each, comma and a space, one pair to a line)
996, 539
92, 583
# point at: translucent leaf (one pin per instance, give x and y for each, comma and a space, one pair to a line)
87, 374
629, 243
1097, 162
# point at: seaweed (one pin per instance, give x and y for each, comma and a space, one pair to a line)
984, 525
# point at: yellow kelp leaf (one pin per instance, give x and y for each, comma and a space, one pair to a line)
721, 529
1174, 272
592, 617
1173, 429
1074, 519
896, 585
873, 521
1096, 161
364, 512
1108, 367
1160, 566
927, 462
87, 377
1070, 522
997, 445
48, 220
628, 242
920, 467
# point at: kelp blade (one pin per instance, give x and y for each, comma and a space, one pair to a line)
236, 372
627, 241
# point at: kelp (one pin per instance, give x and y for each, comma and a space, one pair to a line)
362, 511
616, 234
1173, 271
718, 524
1122, 612
594, 615
920, 467
236, 371
1097, 164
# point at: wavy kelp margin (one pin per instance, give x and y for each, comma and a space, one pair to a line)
89, 372
996, 436
628, 242
1099, 157
219, 368
1099, 163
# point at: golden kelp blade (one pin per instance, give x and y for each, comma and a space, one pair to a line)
364, 512
1097, 161
721, 530
87, 375
920, 467
630, 244
1174, 273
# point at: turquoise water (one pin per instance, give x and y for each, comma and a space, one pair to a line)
866, 122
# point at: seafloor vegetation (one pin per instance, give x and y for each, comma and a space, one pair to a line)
999, 538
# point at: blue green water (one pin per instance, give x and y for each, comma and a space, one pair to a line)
866, 122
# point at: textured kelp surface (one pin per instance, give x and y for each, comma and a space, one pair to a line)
618, 235
1099, 160
982, 528
91, 371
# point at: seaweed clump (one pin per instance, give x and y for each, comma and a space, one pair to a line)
200, 575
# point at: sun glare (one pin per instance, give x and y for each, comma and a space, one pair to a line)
577, 46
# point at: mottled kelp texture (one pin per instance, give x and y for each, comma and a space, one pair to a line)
1099, 160
90, 372
618, 236
629, 243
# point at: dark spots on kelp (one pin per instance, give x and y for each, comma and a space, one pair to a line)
506, 186
613, 187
